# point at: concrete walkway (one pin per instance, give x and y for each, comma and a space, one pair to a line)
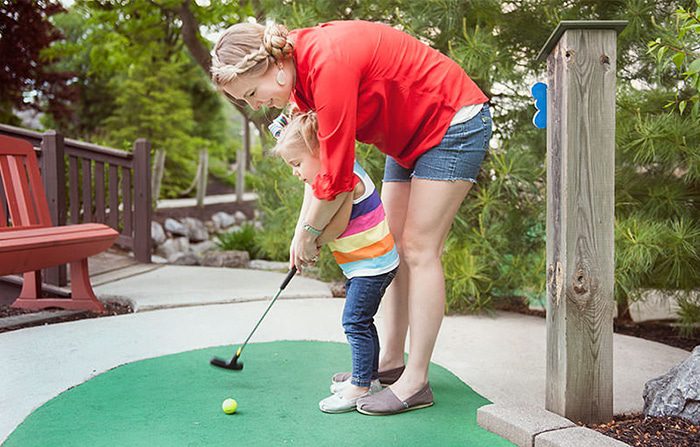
500, 357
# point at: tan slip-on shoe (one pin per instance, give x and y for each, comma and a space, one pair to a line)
336, 387
385, 402
387, 377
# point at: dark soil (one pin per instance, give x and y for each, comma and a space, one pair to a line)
661, 331
639, 431
111, 310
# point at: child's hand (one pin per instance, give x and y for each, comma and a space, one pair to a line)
291, 257
305, 250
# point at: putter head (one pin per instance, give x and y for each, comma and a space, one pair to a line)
221, 363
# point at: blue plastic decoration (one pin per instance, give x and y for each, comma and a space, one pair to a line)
277, 125
539, 92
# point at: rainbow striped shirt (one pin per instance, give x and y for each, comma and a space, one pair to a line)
366, 247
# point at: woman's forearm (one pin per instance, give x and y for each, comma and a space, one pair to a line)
320, 212
338, 223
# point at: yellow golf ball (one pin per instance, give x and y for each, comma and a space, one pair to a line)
229, 406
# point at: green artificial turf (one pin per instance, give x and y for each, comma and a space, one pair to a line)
175, 400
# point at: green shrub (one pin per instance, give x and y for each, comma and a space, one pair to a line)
243, 239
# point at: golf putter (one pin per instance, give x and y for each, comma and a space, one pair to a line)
234, 364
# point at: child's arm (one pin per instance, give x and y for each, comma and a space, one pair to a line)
338, 223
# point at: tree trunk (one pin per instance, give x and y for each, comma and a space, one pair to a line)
190, 35
193, 42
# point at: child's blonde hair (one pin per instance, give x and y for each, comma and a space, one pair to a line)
248, 48
300, 132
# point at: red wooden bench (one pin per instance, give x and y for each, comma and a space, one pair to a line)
29, 242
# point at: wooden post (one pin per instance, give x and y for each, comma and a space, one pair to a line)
202, 176
158, 170
580, 218
142, 201
54, 175
241, 159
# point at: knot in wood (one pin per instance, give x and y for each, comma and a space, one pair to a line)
581, 280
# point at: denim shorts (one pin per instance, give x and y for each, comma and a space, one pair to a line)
458, 156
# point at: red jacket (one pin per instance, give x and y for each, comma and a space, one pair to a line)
370, 82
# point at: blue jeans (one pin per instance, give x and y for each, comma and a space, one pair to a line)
362, 297
458, 156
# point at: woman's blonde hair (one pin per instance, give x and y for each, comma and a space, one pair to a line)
300, 132
248, 48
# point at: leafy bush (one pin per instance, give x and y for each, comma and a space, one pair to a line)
244, 239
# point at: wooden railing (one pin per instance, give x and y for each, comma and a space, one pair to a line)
103, 185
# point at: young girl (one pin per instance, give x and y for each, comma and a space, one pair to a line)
359, 238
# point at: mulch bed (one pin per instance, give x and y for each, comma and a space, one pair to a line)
639, 431
111, 310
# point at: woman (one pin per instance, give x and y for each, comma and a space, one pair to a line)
370, 82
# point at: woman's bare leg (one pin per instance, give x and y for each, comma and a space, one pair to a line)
431, 209
394, 308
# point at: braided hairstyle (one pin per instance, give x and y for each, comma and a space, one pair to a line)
300, 132
248, 48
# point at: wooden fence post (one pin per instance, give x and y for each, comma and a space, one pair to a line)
202, 176
142, 201
158, 170
54, 176
581, 63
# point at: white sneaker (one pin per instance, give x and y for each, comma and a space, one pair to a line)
375, 386
336, 403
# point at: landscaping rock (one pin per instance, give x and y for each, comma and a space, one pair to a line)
211, 227
223, 220
240, 217
196, 230
155, 259
676, 393
176, 228
184, 259
168, 248
182, 244
203, 247
157, 233
338, 289
232, 259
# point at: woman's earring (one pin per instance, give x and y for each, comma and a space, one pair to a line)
281, 77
